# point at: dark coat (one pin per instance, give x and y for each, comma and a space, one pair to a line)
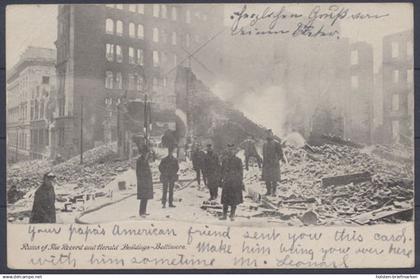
43, 210
212, 170
249, 147
169, 140
272, 154
144, 179
198, 157
232, 184
168, 168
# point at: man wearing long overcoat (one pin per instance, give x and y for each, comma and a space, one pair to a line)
168, 168
43, 210
144, 181
250, 150
232, 183
198, 157
212, 172
272, 154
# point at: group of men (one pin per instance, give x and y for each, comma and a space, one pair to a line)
229, 174
225, 172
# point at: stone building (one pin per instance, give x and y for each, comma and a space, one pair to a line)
30, 103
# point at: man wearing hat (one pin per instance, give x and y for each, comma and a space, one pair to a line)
250, 150
198, 157
212, 171
43, 209
168, 168
144, 180
272, 154
232, 184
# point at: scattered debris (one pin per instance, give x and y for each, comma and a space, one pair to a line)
346, 179
379, 214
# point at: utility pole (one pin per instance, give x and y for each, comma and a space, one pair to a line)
187, 81
81, 131
118, 128
146, 122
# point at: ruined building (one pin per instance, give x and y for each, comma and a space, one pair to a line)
110, 54
398, 87
358, 120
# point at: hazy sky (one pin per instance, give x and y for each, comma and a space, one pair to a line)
35, 25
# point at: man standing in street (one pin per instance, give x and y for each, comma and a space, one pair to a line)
168, 168
169, 140
232, 184
197, 157
272, 154
212, 172
144, 180
43, 210
248, 146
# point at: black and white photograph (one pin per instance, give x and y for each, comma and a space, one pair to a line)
254, 115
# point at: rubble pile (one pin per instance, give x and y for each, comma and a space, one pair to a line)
389, 189
99, 168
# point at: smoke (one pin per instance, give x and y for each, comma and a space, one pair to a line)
295, 139
224, 90
267, 107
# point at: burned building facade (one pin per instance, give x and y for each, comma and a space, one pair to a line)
398, 87
358, 120
312, 86
30, 102
114, 53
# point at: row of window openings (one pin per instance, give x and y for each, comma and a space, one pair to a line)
37, 112
395, 51
17, 114
159, 10
135, 8
109, 28
26, 84
136, 56
20, 139
395, 104
23, 96
135, 81
39, 137
395, 78
26, 81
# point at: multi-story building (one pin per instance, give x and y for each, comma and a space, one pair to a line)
30, 100
316, 86
398, 90
358, 122
107, 52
